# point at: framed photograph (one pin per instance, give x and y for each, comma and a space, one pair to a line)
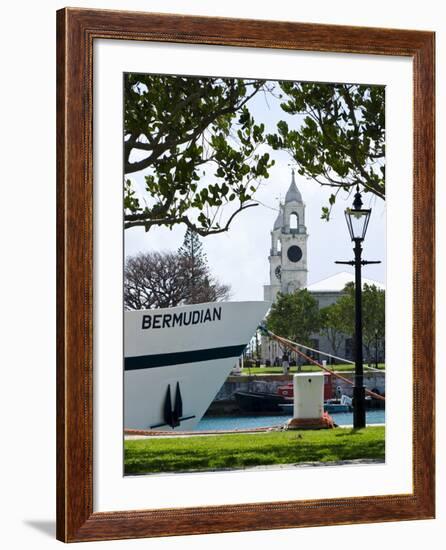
245, 275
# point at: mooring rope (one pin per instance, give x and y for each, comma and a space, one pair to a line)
293, 347
329, 354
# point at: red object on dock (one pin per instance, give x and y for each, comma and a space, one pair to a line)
323, 423
328, 387
287, 390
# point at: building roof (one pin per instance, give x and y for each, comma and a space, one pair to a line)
293, 193
337, 282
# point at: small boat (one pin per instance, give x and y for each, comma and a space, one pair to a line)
337, 408
344, 404
286, 408
330, 408
255, 401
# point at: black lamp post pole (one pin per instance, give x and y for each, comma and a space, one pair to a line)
358, 390
357, 234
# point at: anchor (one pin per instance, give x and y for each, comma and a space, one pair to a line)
173, 417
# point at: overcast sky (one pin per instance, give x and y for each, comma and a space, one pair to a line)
239, 257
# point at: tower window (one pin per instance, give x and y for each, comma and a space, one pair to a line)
294, 222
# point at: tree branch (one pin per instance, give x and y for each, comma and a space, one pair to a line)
159, 149
138, 220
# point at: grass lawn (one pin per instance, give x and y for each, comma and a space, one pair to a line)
244, 450
305, 368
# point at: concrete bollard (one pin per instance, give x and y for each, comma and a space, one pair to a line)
308, 410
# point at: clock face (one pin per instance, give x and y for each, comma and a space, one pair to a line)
278, 273
294, 253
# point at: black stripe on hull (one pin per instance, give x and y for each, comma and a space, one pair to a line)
179, 358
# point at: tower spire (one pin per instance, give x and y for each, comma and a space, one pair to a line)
293, 193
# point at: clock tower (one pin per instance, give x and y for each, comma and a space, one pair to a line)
288, 255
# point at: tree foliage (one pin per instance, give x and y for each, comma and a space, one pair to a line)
373, 315
199, 284
197, 145
332, 324
194, 261
339, 138
168, 279
152, 280
294, 316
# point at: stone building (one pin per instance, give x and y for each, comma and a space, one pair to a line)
288, 254
288, 272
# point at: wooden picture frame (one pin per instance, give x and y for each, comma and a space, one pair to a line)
77, 29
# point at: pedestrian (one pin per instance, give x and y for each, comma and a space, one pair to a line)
285, 363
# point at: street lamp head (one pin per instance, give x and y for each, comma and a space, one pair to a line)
357, 218
357, 203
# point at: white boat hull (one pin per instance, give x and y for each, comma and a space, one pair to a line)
189, 350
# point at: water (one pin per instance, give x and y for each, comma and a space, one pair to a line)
213, 423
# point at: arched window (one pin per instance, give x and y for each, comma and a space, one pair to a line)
294, 222
279, 246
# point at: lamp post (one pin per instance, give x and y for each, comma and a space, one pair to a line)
357, 222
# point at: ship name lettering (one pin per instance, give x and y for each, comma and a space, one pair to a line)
185, 318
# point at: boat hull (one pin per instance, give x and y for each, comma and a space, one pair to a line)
177, 359
259, 401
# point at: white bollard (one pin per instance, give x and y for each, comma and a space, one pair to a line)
308, 395
308, 410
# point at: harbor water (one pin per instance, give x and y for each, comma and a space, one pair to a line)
215, 423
